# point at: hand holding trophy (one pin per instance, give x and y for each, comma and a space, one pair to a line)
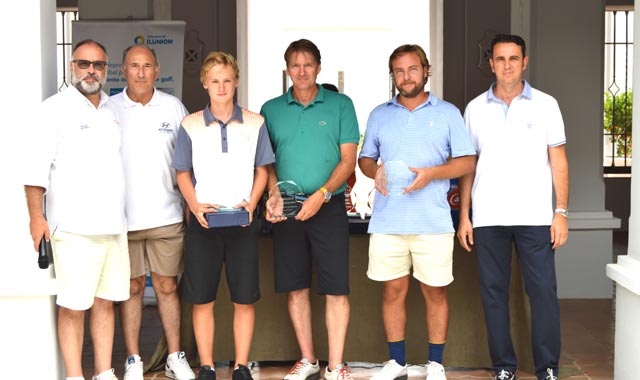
285, 200
393, 177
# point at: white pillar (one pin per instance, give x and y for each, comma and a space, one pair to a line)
27, 293
626, 272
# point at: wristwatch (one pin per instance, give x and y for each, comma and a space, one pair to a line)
562, 211
326, 193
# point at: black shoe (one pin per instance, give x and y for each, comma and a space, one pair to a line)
241, 373
505, 375
206, 373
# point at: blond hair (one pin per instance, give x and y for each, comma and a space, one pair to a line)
218, 58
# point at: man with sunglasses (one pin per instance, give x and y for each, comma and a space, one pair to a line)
75, 160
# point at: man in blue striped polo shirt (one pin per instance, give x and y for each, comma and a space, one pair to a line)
413, 144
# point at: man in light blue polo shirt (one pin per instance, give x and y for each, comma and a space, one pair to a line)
414, 144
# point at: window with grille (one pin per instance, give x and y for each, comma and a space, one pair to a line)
64, 17
618, 95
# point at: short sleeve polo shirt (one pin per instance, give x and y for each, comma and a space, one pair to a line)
75, 156
513, 183
307, 139
149, 134
424, 137
222, 155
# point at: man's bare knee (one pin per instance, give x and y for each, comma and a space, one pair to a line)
164, 285
434, 295
338, 300
136, 286
395, 290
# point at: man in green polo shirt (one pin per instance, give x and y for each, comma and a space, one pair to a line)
315, 135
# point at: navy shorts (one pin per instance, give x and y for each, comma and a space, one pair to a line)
207, 249
322, 241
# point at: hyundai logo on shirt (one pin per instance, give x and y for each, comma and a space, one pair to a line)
165, 127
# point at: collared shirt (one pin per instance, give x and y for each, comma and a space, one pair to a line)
74, 153
223, 155
149, 135
307, 139
513, 183
491, 96
424, 137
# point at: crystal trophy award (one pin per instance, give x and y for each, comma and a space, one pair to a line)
395, 177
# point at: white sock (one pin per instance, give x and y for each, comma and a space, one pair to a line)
75, 378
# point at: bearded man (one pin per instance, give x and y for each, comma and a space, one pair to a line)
413, 145
74, 158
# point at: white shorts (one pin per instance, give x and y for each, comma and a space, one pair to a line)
89, 266
393, 256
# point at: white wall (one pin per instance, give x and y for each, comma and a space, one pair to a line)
26, 292
29, 68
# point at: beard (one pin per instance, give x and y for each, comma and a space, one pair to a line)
87, 88
418, 89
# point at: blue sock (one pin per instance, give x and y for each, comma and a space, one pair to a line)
397, 351
435, 352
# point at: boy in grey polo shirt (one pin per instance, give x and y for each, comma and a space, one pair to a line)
220, 157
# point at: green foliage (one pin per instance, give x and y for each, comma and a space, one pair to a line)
618, 121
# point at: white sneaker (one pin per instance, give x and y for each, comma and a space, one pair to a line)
435, 371
391, 371
550, 375
178, 367
133, 368
106, 375
341, 372
304, 370
505, 375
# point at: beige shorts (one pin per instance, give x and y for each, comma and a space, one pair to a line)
89, 266
393, 256
159, 249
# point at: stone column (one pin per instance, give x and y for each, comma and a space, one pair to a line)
27, 293
626, 272
162, 9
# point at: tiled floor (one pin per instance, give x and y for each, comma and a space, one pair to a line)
587, 354
587, 339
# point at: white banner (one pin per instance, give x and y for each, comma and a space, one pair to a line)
165, 37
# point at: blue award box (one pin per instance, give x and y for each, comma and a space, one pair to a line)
228, 218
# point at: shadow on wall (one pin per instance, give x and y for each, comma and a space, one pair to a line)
618, 199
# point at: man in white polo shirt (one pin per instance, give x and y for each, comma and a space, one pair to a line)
519, 136
75, 160
150, 120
